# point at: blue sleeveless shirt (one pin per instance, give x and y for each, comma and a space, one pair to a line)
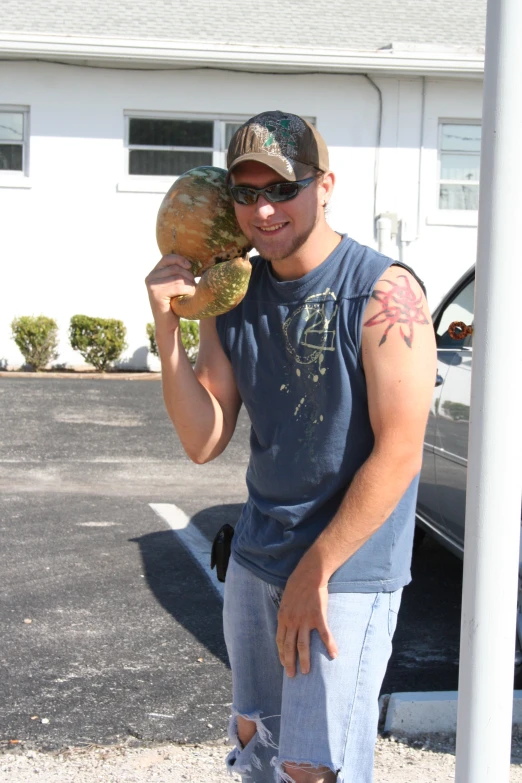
295, 348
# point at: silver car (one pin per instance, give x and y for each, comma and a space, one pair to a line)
442, 489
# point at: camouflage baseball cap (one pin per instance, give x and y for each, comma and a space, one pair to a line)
284, 142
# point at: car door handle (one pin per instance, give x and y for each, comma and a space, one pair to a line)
439, 380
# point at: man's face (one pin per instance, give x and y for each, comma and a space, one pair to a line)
276, 230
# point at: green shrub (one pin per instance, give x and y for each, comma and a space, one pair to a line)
37, 339
99, 340
189, 338
151, 334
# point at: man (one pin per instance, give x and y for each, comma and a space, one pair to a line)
332, 353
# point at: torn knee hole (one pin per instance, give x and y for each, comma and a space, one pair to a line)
246, 729
248, 726
305, 772
246, 732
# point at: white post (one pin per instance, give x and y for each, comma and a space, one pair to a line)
495, 456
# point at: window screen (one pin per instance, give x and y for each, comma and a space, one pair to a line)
164, 147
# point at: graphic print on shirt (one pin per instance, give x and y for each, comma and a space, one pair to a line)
309, 333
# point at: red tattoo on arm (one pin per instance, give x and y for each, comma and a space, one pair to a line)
399, 306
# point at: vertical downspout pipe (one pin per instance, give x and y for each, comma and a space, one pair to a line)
384, 235
377, 151
421, 154
491, 553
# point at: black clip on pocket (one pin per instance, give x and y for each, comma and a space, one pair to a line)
220, 553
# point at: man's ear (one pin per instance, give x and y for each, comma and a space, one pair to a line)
326, 186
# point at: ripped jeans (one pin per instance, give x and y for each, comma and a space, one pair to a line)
327, 718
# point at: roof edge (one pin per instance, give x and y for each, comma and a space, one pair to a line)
155, 54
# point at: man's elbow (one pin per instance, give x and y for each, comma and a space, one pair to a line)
203, 455
198, 459
204, 446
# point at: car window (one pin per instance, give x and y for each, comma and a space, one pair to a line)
457, 314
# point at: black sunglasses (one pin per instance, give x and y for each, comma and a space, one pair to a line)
281, 191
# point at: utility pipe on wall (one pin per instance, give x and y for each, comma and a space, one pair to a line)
494, 488
384, 235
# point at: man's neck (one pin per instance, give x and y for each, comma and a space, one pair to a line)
321, 242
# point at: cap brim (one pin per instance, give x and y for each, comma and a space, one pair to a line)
288, 169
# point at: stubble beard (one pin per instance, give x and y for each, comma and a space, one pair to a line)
290, 246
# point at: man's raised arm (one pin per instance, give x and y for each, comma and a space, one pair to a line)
203, 403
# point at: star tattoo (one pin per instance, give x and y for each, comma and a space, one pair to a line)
400, 306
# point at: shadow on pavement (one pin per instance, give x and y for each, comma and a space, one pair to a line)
426, 644
179, 585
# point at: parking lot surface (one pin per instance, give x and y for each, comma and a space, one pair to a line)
111, 629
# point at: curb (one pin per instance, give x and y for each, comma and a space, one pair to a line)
410, 714
91, 376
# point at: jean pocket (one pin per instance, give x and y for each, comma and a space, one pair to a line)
393, 610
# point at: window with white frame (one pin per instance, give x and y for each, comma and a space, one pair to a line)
13, 139
160, 146
459, 164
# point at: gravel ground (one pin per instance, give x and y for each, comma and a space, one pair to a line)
396, 761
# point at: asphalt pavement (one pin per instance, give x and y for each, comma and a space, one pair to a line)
110, 628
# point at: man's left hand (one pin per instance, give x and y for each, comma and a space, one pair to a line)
303, 609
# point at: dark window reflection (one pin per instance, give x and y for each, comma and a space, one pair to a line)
171, 133
11, 157
166, 163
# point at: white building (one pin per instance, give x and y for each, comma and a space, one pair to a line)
102, 104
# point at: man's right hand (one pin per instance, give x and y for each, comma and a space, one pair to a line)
172, 276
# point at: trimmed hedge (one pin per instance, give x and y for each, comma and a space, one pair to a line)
99, 340
151, 334
189, 338
37, 339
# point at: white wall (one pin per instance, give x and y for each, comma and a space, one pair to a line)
439, 244
76, 242
447, 239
